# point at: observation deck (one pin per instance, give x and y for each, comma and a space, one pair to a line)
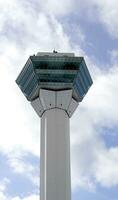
55, 72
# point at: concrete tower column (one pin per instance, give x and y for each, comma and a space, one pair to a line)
55, 183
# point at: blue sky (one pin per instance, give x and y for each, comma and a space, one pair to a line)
88, 28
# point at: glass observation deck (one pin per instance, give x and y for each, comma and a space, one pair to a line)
54, 73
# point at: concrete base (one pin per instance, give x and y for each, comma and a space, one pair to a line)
55, 183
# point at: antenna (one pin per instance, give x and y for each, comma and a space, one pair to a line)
54, 51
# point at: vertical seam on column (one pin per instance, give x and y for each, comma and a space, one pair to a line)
45, 159
55, 99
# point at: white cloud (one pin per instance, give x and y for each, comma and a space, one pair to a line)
34, 31
108, 14
106, 167
95, 10
3, 184
101, 11
4, 196
31, 197
19, 165
114, 56
104, 92
57, 7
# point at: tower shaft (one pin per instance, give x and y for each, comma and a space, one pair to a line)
55, 183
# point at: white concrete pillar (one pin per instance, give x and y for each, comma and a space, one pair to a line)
55, 183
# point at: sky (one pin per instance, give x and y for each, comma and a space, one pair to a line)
88, 28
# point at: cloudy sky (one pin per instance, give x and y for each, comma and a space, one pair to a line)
88, 28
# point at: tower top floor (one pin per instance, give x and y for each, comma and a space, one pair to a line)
54, 71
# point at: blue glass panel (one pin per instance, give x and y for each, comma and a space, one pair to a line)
25, 76
87, 72
55, 62
62, 59
80, 88
78, 92
27, 82
85, 88
83, 75
56, 71
23, 70
56, 65
56, 77
30, 86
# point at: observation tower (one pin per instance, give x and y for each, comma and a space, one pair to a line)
55, 84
